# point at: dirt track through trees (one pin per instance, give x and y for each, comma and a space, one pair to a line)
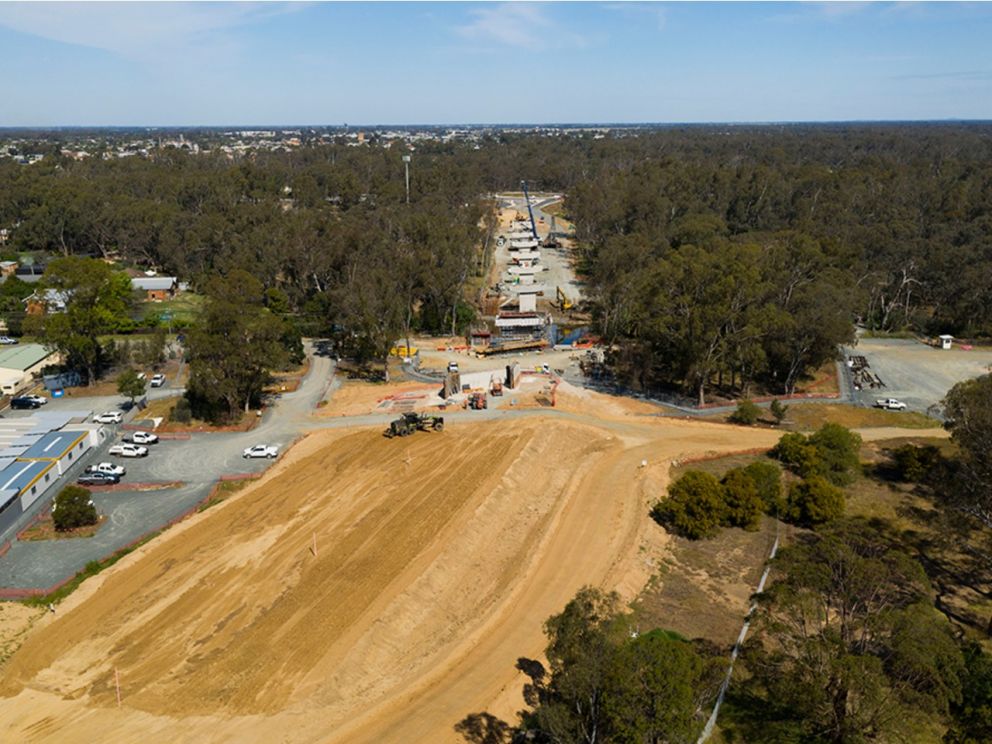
438, 559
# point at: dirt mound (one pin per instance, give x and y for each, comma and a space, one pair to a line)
367, 590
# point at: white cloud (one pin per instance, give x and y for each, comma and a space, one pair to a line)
521, 24
138, 31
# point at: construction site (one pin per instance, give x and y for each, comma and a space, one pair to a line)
366, 589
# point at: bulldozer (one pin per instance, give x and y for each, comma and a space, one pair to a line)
413, 422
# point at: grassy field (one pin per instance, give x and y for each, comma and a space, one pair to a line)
805, 417
184, 307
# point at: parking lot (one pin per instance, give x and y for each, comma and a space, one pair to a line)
917, 374
196, 462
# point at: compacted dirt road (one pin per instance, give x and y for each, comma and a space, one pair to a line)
365, 590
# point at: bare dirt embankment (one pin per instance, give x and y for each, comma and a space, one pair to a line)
437, 560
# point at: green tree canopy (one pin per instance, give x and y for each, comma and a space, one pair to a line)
233, 347
848, 646
97, 301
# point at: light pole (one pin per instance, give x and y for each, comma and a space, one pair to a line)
406, 165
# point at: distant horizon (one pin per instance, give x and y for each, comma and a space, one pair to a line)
494, 125
170, 65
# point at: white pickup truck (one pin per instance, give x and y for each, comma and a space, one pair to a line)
108, 468
890, 404
261, 450
128, 450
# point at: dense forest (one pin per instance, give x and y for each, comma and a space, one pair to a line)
717, 258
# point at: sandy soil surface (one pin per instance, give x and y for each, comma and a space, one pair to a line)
16, 620
354, 398
438, 558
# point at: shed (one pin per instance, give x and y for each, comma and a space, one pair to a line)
156, 288
945, 341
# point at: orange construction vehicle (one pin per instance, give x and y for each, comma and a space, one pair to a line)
477, 401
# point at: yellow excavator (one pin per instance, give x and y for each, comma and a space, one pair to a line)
563, 302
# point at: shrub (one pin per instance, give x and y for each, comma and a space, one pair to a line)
181, 412
797, 454
767, 479
73, 508
778, 411
747, 413
814, 501
743, 504
695, 506
831, 452
916, 464
837, 448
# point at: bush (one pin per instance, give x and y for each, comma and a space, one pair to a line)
743, 504
767, 479
73, 508
778, 411
797, 454
747, 413
837, 448
695, 506
831, 452
181, 412
814, 501
917, 464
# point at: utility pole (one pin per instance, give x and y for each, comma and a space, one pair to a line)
406, 165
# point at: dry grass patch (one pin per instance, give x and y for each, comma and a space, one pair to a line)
807, 417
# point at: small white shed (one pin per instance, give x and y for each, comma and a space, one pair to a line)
945, 341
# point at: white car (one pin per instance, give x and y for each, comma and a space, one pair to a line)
128, 450
261, 450
107, 468
452, 366
7, 341
158, 380
890, 404
141, 437
109, 417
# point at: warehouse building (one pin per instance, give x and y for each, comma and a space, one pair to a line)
19, 365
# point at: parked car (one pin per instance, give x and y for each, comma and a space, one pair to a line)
98, 479
39, 399
452, 366
107, 468
141, 437
158, 380
7, 341
128, 450
890, 404
24, 401
109, 417
261, 450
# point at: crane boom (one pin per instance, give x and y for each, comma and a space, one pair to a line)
530, 211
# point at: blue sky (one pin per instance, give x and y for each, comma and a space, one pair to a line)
330, 63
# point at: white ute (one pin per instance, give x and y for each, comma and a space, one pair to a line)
128, 450
141, 437
107, 468
261, 450
890, 404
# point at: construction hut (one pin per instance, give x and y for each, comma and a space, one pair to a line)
59, 448
946, 341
